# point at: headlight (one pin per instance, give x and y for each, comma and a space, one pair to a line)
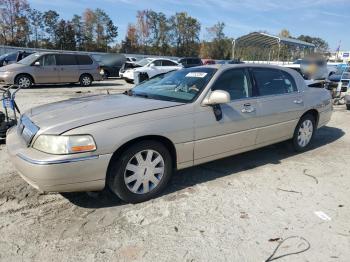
62, 145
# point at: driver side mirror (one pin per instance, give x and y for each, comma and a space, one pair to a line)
217, 97
37, 63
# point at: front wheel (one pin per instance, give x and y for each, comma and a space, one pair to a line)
304, 133
85, 80
23, 81
141, 172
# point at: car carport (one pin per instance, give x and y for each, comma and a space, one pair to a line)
259, 46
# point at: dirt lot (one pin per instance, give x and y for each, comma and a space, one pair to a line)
235, 209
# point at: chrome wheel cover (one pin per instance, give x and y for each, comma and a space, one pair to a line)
144, 171
24, 82
305, 132
86, 81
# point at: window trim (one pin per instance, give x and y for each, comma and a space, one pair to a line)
273, 95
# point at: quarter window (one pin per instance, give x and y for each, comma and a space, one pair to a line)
273, 82
84, 60
235, 82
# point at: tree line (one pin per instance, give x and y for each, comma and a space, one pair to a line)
20, 25
152, 33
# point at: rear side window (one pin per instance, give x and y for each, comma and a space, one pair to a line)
65, 59
84, 60
235, 82
273, 82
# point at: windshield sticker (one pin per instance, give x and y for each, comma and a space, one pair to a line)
196, 74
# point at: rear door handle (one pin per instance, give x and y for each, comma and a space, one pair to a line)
298, 101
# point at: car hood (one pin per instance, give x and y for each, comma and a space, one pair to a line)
11, 67
59, 117
336, 78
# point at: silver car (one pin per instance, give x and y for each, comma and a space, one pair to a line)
133, 142
51, 68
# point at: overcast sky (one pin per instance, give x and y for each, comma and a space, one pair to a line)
328, 19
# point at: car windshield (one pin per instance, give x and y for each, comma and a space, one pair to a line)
178, 86
29, 59
144, 62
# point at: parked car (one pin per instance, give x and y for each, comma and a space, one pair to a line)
190, 61
309, 82
208, 62
51, 68
339, 82
150, 67
131, 59
13, 57
110, 64
133, 142
127, 65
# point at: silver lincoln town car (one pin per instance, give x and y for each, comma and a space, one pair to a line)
132, 143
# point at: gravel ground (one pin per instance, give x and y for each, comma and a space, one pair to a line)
236, 209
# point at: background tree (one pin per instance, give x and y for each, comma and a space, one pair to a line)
320, 44
36, 22
51, 18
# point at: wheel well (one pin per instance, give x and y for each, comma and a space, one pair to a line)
165, 141
25, 74
86, 74
314, 113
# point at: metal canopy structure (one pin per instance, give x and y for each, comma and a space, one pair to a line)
264, 41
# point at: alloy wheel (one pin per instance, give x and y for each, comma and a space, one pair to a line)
24, 82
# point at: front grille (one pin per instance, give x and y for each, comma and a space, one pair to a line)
26, 129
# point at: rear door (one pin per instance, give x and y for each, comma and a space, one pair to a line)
279, 104
168, 65
47, 72
236, 130
68, 68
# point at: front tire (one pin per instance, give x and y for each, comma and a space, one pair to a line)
24, 81
304, 133
141, 172
85, 80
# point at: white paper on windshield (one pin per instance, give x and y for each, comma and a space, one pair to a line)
196, 74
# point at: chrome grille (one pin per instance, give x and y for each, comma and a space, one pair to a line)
26, 129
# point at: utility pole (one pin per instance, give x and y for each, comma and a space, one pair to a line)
233, 48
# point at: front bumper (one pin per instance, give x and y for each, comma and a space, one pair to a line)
6, 79
53, 173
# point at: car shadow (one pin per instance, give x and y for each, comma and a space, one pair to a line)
210, 171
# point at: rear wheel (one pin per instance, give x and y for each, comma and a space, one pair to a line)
141, 172
24, 81
85, 80
304, 133
348, 106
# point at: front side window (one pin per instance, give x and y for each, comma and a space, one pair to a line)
179, 86
157, 63
168, 63
273, 82
235, 82
47, 60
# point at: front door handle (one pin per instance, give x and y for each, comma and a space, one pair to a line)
298, 101
247, 108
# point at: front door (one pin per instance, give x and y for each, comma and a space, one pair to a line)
235, 132
47, 71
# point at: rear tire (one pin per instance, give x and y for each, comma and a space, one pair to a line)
304, 133
141, 172
24, 81
348, 106
85, 80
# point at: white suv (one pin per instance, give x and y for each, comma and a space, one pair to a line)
150, 67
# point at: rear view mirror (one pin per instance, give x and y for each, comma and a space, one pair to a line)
217, 97
37, 63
